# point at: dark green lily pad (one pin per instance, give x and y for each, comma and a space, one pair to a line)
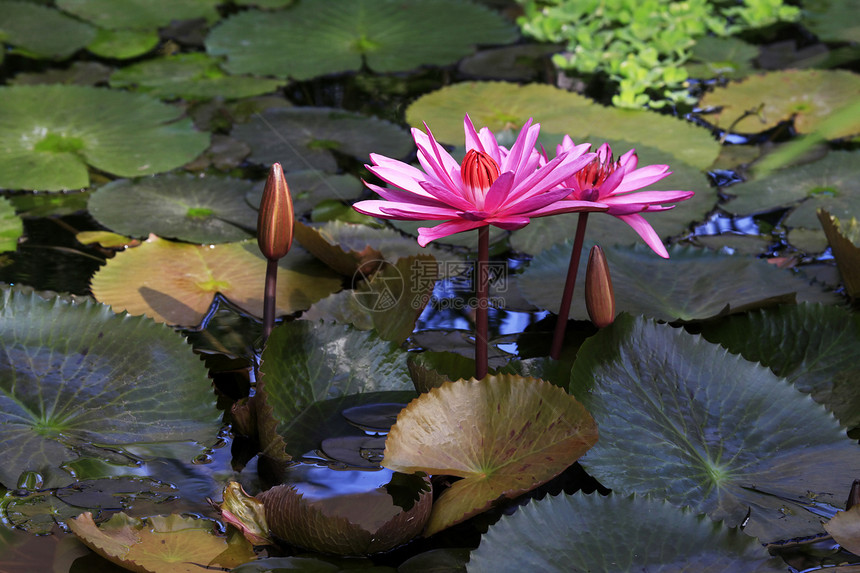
693, 284
11, 226
190, 76
317, 37
76, 374
815, 347
808, 96
193, 209
265, 4
501, 106
78, 74
522, 62
139, 14
712, 56
53, 132
42, 31
608, 230
833, 21
684, 420
584, 533
123, 44
304, 138
833, 183
309, 187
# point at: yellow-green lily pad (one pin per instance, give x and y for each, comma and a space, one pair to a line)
504, 435
11, 226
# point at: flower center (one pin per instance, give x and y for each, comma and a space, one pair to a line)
478, 171
592, 176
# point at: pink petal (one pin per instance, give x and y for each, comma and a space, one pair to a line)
427, 234
649, 197
406, 211
497, 192
398, 174
547, 177
643, 177
568, 207
435, 160
453, 198
509, 223
521, 152
646, 231
629, 160
401, 196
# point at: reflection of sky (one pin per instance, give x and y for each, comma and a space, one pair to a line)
318, 482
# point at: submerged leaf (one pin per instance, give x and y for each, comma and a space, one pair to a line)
504, 435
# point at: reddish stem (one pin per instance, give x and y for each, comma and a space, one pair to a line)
482, 276
570, 282
269, 298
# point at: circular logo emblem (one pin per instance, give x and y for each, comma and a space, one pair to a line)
380, 285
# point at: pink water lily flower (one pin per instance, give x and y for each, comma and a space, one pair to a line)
617, 184
492, 186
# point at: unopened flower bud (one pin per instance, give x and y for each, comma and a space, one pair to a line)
275, 220
599, 296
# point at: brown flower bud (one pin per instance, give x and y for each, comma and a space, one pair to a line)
599, 296
275, 220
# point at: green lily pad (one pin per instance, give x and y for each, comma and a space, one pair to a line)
42, 31
832, 21
584, 533
76, 374
304, 137
139, 14
167, 544
265, 4
123, 44
504, 435
713, 56
193, 209
693, 284
176, 283
190, 76
317, 38
832, 183
607, 230
501, 106
815, 347
309, 187
521, 62
11, 226
53, 132
78, 74
808, 96
684, 420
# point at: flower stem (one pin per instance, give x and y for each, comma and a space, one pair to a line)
269, 298
482, 276
570, 282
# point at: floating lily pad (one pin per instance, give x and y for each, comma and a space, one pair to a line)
139, 14
684, 420
304, 137
123, 44
712, 56
265, 4
11, 226
815, 347
504, 435
808, 96
583, 533
833, 21
317, 37
169, 544
522, 62
194, 209
189, 76
42, 31
78, 74
833, 183
693, 284
75, 373
53, 132
309, 187
176, 283
501, 106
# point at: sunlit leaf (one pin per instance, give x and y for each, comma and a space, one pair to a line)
176, 282
845, 529
75, 373
845, 249
123, 44
52, 133
584, 533
11, 226
684, 420
318, 37
504, 435
42, 31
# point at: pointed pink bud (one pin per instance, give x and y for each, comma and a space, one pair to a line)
479, 171
275, 220
599, 296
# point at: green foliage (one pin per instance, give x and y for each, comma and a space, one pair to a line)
640, 45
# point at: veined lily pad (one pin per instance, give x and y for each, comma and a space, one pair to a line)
190, 76
504, 435
176, 283
808, 96
501, 106
52, 133
11, 226
194, 209
42, 31
309, 187
815, 347
693, 284
75, 374
304, 137
318, 37
585, 533
166, 544
139, 14
684, 420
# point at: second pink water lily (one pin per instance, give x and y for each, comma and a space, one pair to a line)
492, 185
